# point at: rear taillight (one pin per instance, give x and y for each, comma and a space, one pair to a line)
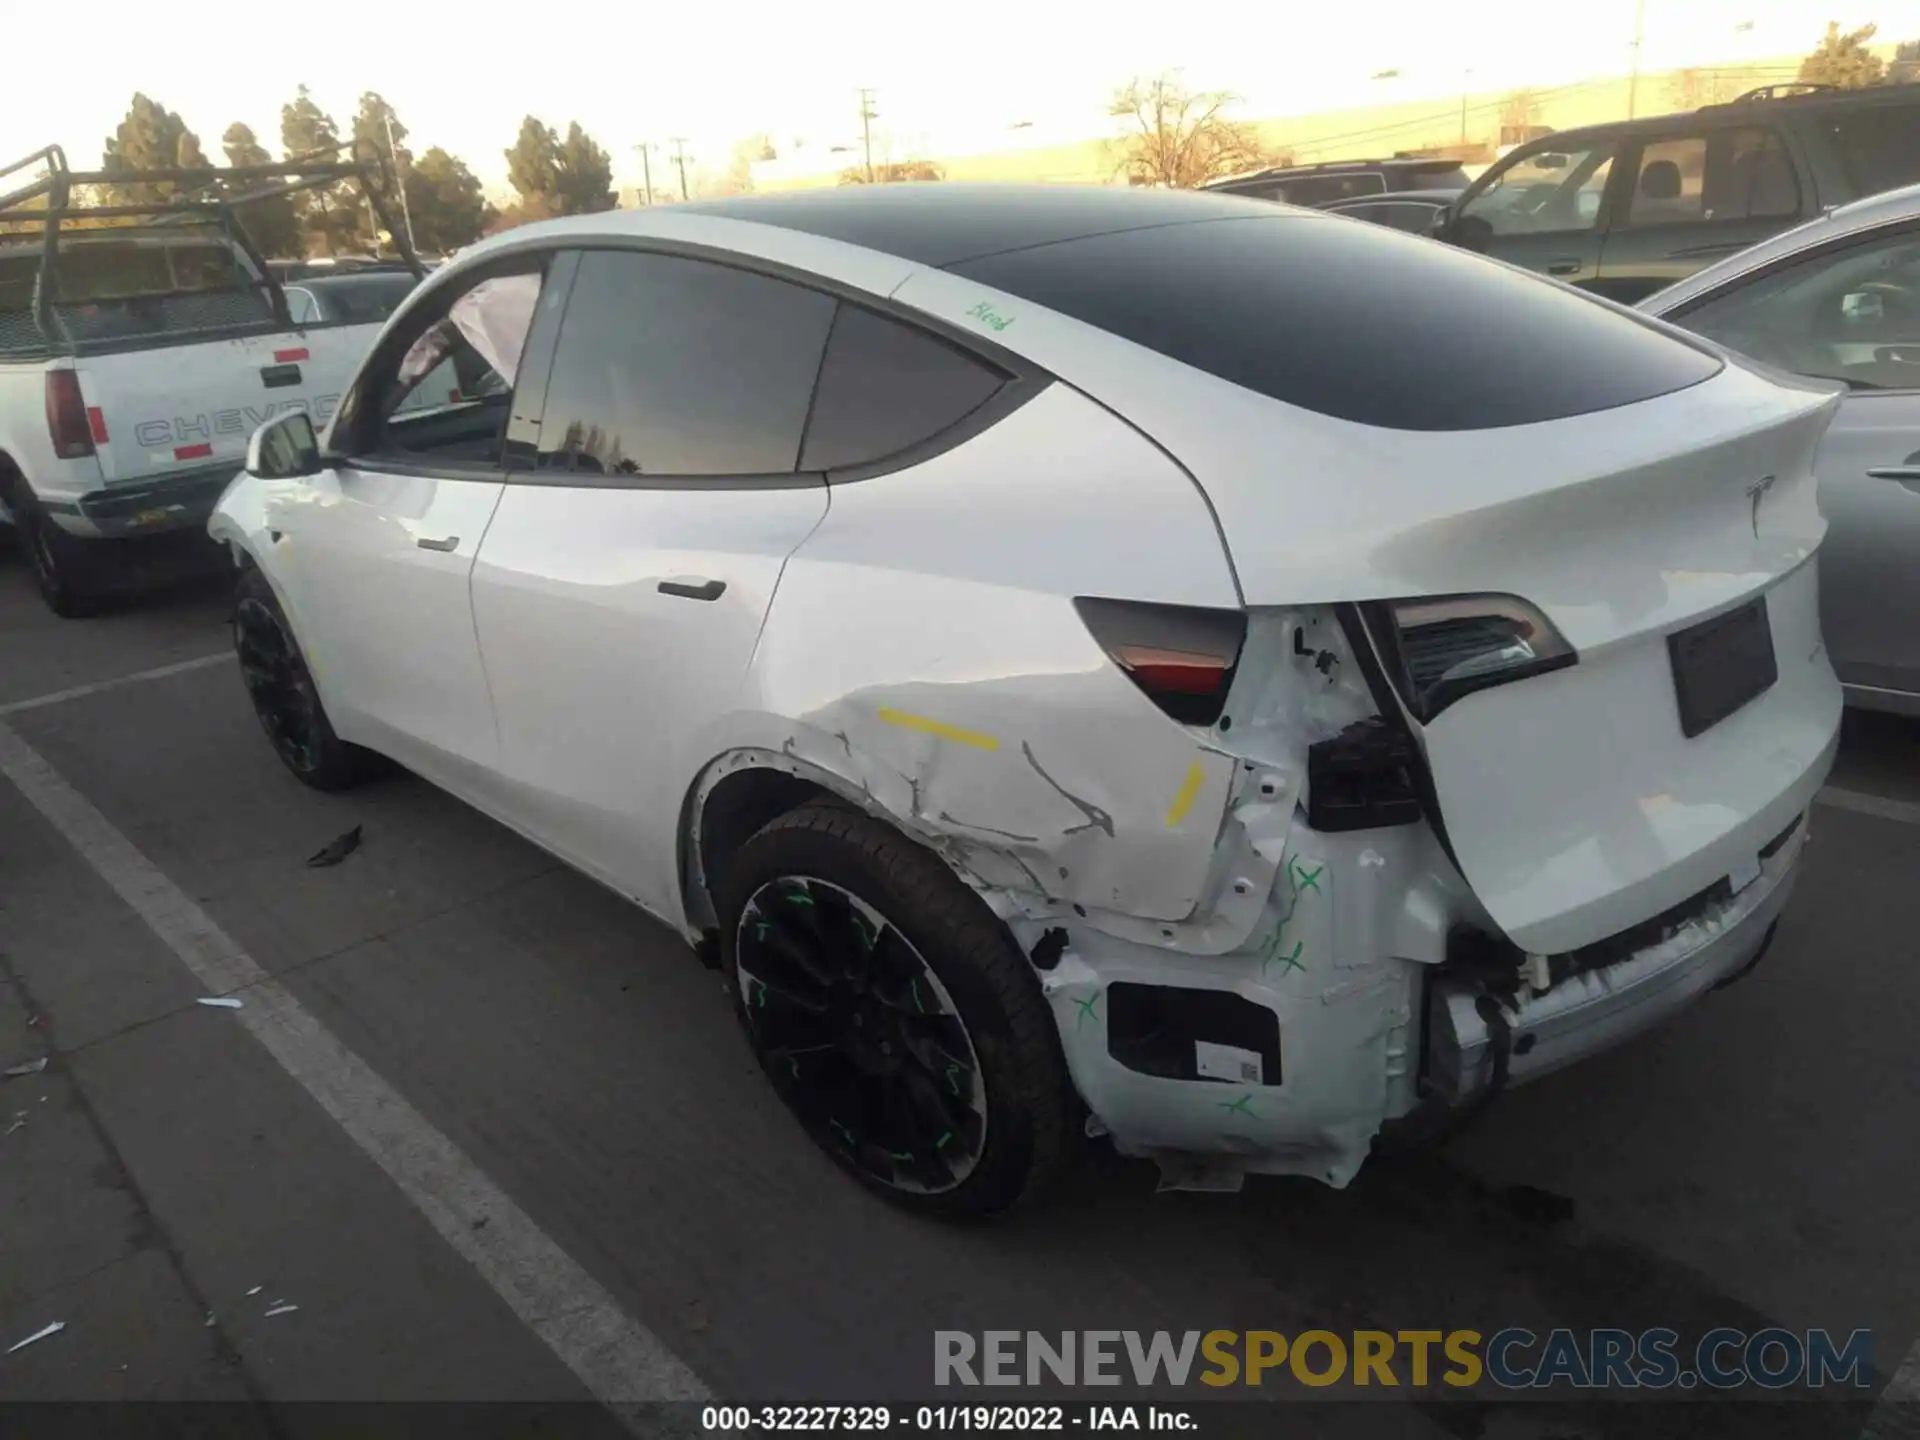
1181, 656
67, 423
1443, 649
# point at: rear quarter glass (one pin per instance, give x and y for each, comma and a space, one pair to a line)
1354, 321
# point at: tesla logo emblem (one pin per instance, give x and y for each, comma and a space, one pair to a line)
1756, 492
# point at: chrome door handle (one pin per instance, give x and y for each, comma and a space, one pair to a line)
452, 542
1896, 472
693, 587
1563, 267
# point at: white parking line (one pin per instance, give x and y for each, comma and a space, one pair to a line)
1863, 804
619, 1360
158, 672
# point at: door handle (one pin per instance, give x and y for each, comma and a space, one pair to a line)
452, 542
1563, 267
1907, 475
692, 587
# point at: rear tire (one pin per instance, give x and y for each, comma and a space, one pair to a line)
285, 699
948, 1096
65, 569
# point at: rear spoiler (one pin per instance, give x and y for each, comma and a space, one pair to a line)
205, 198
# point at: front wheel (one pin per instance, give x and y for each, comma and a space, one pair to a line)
894, 1015
283, 693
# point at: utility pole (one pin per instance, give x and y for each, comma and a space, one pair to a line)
866, 130
645, 148
680, 160
1465, 75
1639, 34
399, 181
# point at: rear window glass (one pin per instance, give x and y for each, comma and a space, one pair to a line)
1355, 321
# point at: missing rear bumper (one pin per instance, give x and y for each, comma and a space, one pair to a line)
1594, 1009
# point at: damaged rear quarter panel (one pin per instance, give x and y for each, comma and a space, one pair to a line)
924, 647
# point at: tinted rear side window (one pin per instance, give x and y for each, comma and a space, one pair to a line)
1355, 321
1879, 147
886, 386
669, 366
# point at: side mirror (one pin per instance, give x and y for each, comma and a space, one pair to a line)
284, 449
1863, 307
1442, 218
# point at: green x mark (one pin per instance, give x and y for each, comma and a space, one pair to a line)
1088, 1010
1242, 1106
1292, 962
1306, 880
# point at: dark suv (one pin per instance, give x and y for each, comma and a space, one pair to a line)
1627, 209
1344, 180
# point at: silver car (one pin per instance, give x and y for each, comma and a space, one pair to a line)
1839, 298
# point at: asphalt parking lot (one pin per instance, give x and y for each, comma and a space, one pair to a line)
172, 1180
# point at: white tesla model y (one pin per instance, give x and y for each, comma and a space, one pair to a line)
1215, 675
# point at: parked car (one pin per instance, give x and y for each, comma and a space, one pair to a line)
1839, 299
1415, 211
352, 298
1073, 664
1344, 180
1625, 209
135, 360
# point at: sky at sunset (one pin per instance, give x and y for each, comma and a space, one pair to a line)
948, 78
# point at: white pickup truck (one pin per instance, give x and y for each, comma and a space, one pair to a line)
138, 352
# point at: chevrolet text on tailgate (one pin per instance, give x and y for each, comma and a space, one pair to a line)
137, 357
1068, 659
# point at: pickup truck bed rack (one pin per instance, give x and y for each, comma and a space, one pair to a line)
47, 207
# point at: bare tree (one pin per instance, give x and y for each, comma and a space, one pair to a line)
1519, 114
1691, 89
1180, 138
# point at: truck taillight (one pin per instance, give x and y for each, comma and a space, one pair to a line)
68, 424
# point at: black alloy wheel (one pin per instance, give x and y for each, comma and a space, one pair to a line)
284, 695
860, 1035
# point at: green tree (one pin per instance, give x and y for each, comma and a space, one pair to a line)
1906, 63
151, 137
1181, 138
533, 170
1843, 59
329, 213
378, 144
583, 174
271, 223
446, 203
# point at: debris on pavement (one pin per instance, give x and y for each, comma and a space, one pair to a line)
256, 1290
280, 1307
31, 1067
19, 1119
336, 850
54, 1329
223, 1002
208, 1322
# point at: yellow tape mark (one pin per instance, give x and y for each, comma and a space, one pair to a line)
1189, 792
934, 727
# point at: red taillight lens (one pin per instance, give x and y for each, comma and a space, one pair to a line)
1181, 656
67, 423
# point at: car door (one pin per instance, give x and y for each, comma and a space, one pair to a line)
1851, 312
623, 583
1696, 194
377, 550
1542, 208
